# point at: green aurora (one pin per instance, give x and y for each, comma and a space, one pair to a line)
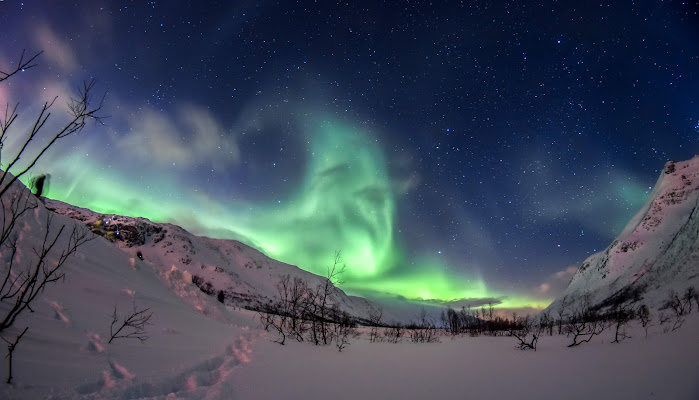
345, 201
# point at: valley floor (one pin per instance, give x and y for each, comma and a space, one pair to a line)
663, 366
244, 363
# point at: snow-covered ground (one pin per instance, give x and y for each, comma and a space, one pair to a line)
663, 366
199, 348
217, 361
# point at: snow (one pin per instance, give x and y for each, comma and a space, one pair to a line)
664, 366
246, 276
657, 251
199, 348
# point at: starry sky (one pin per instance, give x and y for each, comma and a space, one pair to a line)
455, 151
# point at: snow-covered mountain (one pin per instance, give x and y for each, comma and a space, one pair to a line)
238, 274
66, 353
198, 348
657, 251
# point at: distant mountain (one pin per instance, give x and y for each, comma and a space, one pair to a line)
658, 251
245, 277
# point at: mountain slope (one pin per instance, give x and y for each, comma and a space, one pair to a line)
656, 252
244, 276
65, 352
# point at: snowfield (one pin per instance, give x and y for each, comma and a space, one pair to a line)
200, 348
663, 366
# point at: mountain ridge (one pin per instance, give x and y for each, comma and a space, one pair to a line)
656, 252
245, 276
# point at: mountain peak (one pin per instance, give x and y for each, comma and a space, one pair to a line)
657, 251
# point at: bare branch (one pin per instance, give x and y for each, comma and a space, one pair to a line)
133, 325
22, 65
11, 346
81, 110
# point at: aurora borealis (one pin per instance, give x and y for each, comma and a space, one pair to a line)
455, 151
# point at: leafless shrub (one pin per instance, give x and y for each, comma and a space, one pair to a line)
584, 323
343, 328
644, 316
522, 333
679, 307
690, 294
423, 330
132, 325
562, 310
266, 319
394, 333
663, 318
621, 315
546, 322
583, 331
375, 315
81, 110
23, 279
309, 313
10, 351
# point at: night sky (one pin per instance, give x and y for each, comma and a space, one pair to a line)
451, 149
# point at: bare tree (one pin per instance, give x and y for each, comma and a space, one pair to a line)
81, 110
132, 325
21, 285
300, 298
645, 317
278, 313
343, 328
621, 315
562, 312
690, 294
523, 328
394, 332
375, 315
663, 318
299, 310
423, 330
583, 331
546, 322
680, 307
10, 350
584, 323
452, 322
323, 293
22, 65
24, 278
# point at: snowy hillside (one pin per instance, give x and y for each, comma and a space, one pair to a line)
199, 348
65, 352
657, 251
244, 276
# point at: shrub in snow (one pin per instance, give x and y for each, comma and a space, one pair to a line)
585, 323
23, 279
394, 333
526, 333
131, 325
423, 330
644, 316
680, 306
